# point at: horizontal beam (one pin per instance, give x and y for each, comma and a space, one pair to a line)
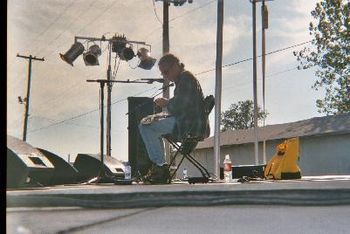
113, 39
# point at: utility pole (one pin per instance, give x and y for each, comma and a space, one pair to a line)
256, 127
265, 25
166, 42
256, 143
30, 58
166, 88
166, 49
218, 85
109, 104
166, 46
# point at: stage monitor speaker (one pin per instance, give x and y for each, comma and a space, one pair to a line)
64, 172
139, 107
89, 166
26, 165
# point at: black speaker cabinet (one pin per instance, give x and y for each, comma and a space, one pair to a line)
26, 165
89, 166
252, 171
64, 173
139, 107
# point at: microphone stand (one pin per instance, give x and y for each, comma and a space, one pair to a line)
103, 177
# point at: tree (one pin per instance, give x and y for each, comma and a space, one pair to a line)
240, 116
330, 54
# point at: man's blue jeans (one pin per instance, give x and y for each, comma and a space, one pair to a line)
152, 137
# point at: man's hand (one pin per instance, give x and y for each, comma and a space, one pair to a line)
162, 102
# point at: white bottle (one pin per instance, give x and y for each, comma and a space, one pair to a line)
227, 169
184, 174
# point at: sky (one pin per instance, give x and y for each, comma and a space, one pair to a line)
64, 108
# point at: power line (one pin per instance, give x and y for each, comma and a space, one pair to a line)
53, 22
281, 72
249, 59
102, 12
193, 10
67, 28
75, 124
267, 76
63, 93
90, 22
155, 12
65, 120
83, 114
121, 100
177, 17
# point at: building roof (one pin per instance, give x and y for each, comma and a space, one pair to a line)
333, 124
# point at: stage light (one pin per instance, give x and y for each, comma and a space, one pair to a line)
126, 54
122, 47
73, 53
118, 44
146, 61
91, 56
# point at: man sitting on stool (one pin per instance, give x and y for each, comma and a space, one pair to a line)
184, 117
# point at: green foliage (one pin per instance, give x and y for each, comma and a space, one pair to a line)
330, 54
240, 116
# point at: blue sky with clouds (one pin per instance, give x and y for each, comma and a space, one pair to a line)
64, 116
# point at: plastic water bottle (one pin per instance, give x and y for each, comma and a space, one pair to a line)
127, 171
227, 169
184, 174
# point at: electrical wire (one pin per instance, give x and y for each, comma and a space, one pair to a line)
193, 10
89, 23
67, 27
249, 59
109, 7
118, 101
177, 17
155, 12
84, 114
58, 17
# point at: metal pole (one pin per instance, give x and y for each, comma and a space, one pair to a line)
102, 174
218, 85
109, 85
256, 146
166, 47
263, 51
27, 100
109, 97
25, 125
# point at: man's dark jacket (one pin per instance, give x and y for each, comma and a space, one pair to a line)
188, 108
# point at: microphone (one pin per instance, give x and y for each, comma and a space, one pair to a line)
150, 81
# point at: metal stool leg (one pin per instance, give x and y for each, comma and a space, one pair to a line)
180, 149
